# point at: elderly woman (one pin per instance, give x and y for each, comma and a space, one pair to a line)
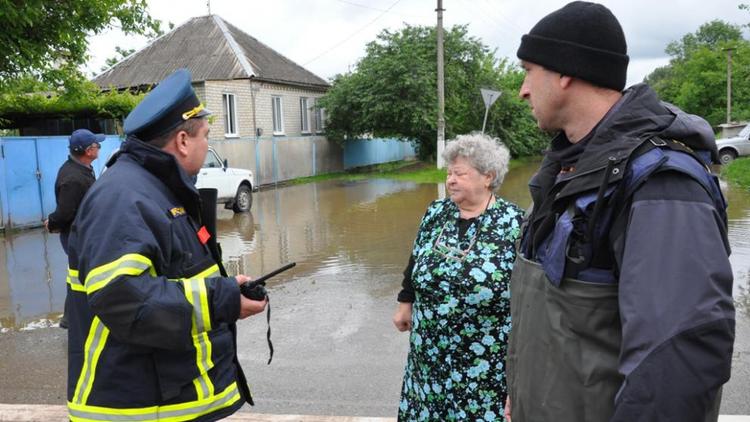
455, 297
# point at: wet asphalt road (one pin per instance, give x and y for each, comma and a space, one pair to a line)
336, 351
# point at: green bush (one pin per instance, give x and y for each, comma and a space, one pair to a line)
738, 172
31, 99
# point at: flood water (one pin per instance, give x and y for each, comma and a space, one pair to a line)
336, 350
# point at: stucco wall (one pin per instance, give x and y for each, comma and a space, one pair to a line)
278, 159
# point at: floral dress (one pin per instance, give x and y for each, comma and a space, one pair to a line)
461, 315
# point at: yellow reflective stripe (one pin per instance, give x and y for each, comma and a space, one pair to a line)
130, 264
206, 316
170, 413
95, 342
74, 282
212, 271
195, 292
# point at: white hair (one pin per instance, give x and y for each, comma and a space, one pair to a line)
484, 153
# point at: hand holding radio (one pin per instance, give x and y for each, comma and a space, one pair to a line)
255, 289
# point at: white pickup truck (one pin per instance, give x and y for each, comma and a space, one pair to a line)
235, 185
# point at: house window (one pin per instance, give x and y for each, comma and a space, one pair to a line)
278, 116
230, 115
304, 112
320, 119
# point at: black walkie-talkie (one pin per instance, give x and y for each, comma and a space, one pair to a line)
255, 289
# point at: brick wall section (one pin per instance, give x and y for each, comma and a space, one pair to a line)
290, 101
212, 92
293, 149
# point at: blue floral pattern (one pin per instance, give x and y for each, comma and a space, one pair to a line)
461, 316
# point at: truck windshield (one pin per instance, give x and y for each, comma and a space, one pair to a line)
211, 161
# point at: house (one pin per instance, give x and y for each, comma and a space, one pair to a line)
264, 104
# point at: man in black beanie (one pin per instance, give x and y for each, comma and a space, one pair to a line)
621, 295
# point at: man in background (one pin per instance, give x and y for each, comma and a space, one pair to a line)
74, 179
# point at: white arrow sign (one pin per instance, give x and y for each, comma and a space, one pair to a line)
489, 96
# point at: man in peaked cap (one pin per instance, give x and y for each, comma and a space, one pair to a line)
621, 294
74, 179
152, 312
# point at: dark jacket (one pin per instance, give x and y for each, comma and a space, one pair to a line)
151, 317
73, 181
665, 248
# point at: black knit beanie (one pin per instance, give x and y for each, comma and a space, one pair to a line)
583, 40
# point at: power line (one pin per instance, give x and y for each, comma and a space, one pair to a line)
484, 16
503, 17
352, 35
380, 10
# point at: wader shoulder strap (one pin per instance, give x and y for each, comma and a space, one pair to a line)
654, 156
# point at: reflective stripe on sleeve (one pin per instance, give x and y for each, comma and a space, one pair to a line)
195, 292
74, 282
171, 413
95, 341
130, 264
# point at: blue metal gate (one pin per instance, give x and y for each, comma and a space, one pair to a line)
24, 206
28, 168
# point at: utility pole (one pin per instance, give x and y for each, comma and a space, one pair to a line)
440, 87
729, 83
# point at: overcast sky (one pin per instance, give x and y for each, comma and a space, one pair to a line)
328, 36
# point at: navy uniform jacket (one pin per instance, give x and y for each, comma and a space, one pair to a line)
152, 321
72, 182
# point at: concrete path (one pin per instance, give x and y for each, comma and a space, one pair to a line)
51, 413
45, 412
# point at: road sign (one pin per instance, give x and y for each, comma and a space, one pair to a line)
489, 96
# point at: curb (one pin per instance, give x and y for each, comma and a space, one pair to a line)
48, 412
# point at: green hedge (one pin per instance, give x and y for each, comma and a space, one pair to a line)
86, 100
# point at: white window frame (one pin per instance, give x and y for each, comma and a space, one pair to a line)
320, 119
304, 115
277, 115
229, 104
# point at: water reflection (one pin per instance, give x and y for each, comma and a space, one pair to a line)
739, 239
363, 229
328, 227
32, 280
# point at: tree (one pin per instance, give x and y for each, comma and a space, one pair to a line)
393, 92
120, 53
49, 39
710, 35
696, 77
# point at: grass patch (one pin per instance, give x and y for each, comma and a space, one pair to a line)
410, 171
738, 172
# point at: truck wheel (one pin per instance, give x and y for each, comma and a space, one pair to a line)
243, 200
726, 156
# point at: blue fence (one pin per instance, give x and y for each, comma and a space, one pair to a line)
28, 168
367, 152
